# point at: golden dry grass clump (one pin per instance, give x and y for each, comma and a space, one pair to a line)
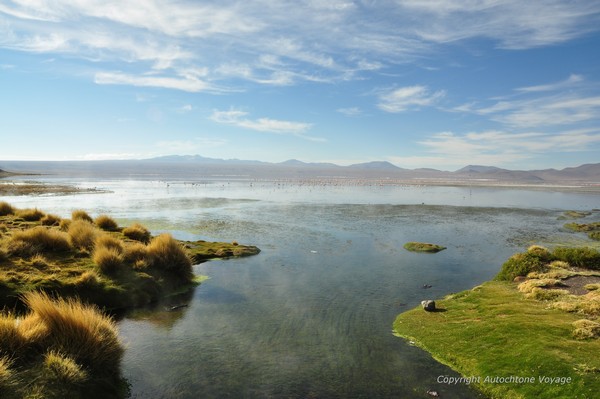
166, 253
106, 223
64, 368
80, 214
78, 331
137, 232
586, 329
136, 254
108, 254
30, 215
38, 239
50, 220
529, 285
6, 209
82, 234
6, 373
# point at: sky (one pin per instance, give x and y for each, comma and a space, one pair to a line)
421, 83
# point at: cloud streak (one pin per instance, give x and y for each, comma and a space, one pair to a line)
257, 41
239, 119
407, 98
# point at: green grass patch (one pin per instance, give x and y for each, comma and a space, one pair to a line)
494, 331
574, 214
583, 227
423, 247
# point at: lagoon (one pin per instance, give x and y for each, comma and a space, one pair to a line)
311, 315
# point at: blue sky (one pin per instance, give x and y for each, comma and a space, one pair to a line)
419, 83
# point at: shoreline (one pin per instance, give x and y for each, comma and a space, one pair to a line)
532, 338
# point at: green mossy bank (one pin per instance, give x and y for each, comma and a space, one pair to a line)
517, 339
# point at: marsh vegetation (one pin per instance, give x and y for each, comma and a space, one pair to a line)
532, 321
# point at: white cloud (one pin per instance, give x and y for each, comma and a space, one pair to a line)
569, 82
284, 42
352, 111
499, 147
238, 118
405, 98
186, 84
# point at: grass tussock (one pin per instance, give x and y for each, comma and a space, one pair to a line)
50, 220
585, 257
64, 368
108, 241
39, 261
542, 294
166, 253
64, 224
6, 209
88, 279
108, 260
30, 215
106, 223
136, 254
82, 234
594, 235
108, 254
538, 260
78, 331
36, 240
586, 329
540, 252
592, 287
80, 214
6, 373
588, 304
137, 232
529, 285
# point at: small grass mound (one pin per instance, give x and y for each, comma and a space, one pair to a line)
80, 214
6, 209
37, 239
30, 215
583, 227
423, 247
82, 234
106, 223
166, 253
529, 285
137, 232
586, 329
592, 287
575, 214
79, 331
109, 260
59, 349
594, 235
64, 369
585, 257
520, 264
50, 220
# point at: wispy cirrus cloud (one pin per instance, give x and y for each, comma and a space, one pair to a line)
497, 147
406, 98
560, 103
239, 118
257, 41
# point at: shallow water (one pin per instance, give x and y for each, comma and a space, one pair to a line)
311, 316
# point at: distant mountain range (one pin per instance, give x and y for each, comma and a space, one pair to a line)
196, 166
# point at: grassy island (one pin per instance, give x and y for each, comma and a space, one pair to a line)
531, 333
423, 247
57, 278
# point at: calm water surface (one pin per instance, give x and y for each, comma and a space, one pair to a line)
311, 316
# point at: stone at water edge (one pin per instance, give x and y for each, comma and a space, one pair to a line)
428, 305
